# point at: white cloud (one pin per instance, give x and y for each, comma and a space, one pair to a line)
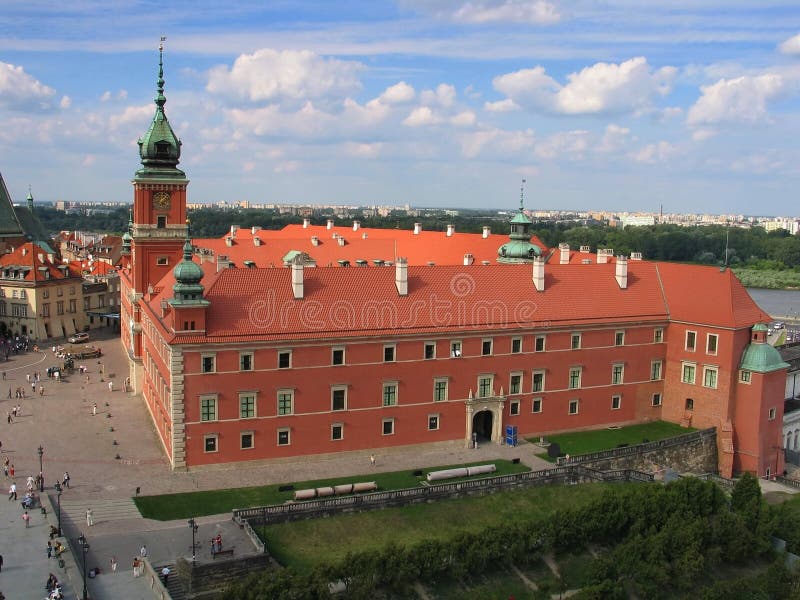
65, 102
465, 118
122, 95
600, 88
444, 95
741, 99
653, 153
422, 115
791, 46
363, 150
287, 167
138, 115
614, 138
537, 12
701, 135
497, 142
105, 96
398, 93
501, 106
21, 91
293, 75
88, 160
567, 144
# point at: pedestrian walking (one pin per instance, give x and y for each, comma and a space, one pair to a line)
94, 409
372, 459
89, 517
8, 417
110, 386
11, 472
143, 551
135, 566
27, 518
4, 375
66, 479
113, 564
12, 492
41, 390
1, 562
49, 549
165, 574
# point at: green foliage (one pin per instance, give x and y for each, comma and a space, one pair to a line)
746, 499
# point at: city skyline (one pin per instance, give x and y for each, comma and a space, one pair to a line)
616, 106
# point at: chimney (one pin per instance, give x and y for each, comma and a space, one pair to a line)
364, 235
585, 249
256, 241
330, 223
297, 277
401, 276
234, 229
486, 231
451, 229
255, 229
228, 241
622, 272
307, 222
603, 254
24, 251
340, 240
636, 256
417, 228
468, 259
314, 240
356, 225
538, 273
564, 249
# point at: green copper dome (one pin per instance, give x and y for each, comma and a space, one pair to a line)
160, 148
519, 247
762, 358
760, 327
187, 288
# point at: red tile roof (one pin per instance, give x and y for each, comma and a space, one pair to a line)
383, 244
35, 264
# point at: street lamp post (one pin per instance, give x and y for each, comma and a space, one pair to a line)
59, 489
194, 527
85, 549
41, 469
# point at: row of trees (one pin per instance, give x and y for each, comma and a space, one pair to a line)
753, 247
660, 540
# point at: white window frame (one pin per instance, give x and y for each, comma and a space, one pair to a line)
709, 337
655, 399
446, 382
658, 335
393, 348
334, 350
246, 394
283, 430
208, 437
690, 333
656, 365
280, 354
481, 379
575, 341
518, 342
541, 372
384, 423
619, 338
773, 412
425, 347
456, 348
514, 408
214, 398
390, 385
336, 388
707, 369
340, 427
574, 407
284, 392
540, 402
511, 376
213, 357
537, 339
616, 399
618, 380
243, 355
575, 374
684, 365
438, 418
252, 435
485, 341
745, 376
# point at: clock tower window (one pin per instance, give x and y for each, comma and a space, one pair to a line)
161, 223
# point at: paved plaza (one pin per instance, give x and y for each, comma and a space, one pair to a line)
87, 446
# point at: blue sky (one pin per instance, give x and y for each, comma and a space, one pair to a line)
599, 104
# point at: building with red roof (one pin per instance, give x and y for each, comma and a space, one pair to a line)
311, 340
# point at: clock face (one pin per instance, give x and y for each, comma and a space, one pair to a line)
161, 199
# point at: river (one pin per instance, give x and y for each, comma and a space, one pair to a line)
778, 303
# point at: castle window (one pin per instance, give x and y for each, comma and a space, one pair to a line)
772, 414
210, 443
387, 426
208, 363
285, 402
540, 341
575, 341
162, 260
538, 381
655, 370
710, 377
537, 405
245, 361
744, 376
455, 349
573, 407
616, 402
440, 389
516, 345
246, 439
429, 350
486, 347
658, 335
689, 404
339, 398
161, 222
515, 385
337, 356
389, 353
691, 340
337, 432
247, 405
619, 338
433, 422
513, 408
711, 343
574, 378
284, 437
485, 386
688, 373
389, 394
285, 359
617, 374
656, 399
208, 408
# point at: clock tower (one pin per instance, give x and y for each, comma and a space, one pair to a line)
159, 199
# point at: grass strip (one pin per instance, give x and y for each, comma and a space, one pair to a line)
167, 507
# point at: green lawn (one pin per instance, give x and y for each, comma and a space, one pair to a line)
306, 543
166, 507
583, 442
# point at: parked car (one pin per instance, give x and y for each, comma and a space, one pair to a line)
78, 338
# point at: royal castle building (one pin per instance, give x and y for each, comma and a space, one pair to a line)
269, 345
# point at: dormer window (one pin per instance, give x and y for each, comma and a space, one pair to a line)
162, 149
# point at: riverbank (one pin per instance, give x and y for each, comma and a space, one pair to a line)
769, 279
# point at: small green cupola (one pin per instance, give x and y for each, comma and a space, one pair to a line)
127, 237
30, 200
760, 356
187, 289
160, 148
519, 248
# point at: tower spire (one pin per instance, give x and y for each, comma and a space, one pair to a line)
522, 196
160, 99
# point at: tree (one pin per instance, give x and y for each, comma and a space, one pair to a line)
746, 499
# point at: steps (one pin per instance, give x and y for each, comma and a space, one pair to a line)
175, 587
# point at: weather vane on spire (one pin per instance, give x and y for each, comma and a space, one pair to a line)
161, 45
522, 195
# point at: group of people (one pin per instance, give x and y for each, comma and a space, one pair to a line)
216, 544
53, 588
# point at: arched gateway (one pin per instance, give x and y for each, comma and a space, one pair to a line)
484, 419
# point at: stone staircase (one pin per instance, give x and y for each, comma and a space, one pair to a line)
102, 510
175, 587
